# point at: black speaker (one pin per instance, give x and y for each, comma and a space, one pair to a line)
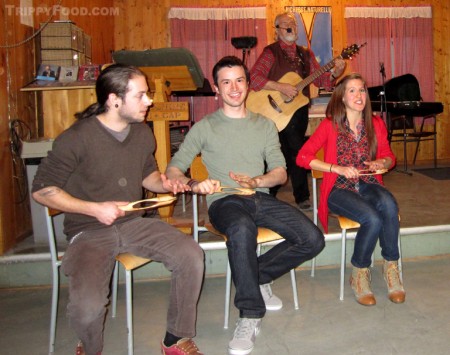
243, 42
177, 134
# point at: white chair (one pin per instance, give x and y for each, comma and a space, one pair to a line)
130, 263
345, 224
198, 172
56, 263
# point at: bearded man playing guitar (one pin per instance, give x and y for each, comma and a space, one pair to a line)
278, 59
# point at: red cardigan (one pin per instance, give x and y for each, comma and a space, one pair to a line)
325, 137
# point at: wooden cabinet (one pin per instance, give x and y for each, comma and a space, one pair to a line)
59, 103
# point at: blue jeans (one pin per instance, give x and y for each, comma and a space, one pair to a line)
238, 217
376, 210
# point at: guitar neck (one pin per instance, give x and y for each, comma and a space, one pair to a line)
305, 82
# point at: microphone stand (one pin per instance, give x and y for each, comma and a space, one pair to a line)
382, 94
383, 104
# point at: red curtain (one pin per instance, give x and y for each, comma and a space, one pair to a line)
400, 38
376, 34
209, 35
413, 52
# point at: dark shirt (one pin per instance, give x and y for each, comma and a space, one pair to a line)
87, 162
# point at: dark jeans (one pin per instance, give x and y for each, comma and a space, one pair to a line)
376, 210
292, 139
89, 262
238, 217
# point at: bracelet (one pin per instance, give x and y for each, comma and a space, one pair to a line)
191, 183
331, 167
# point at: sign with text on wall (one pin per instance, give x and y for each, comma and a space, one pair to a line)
169, 111
314, 30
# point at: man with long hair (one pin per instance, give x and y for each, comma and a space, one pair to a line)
102, 162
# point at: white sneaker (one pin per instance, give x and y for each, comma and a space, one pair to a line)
273, 303
244, 336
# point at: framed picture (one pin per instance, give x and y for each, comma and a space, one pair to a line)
68, 74
88, 72
47, 72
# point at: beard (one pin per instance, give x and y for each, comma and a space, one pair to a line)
291, 37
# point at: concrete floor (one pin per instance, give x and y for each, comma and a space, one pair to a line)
322, 325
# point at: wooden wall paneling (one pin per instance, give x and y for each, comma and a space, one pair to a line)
23, 109
134, 29
142, 24
6, 227
441, 29
160, 31
17, 68
120, 34
15, 219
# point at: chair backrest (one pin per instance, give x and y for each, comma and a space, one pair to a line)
198, 172
198, 169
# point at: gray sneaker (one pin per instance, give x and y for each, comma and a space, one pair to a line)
273, 303
244, 336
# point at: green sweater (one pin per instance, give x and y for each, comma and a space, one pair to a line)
243, 146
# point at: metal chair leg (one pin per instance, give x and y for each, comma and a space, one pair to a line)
343, 243
54, 310
400, 265
227, 296
129, 291
115, 282
294, 288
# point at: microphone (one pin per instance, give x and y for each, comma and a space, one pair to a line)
288, 30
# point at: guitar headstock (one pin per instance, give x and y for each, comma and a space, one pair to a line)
350, 51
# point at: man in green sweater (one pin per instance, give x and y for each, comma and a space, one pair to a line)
240, 148
103, 161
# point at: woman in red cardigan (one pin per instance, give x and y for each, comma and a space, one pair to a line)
355, 141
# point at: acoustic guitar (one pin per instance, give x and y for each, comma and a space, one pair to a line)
280, 108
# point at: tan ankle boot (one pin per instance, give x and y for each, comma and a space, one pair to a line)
360, 282
394, 284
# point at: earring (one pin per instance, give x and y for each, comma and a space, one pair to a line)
116, 105
216, 97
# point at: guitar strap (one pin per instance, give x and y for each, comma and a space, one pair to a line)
304, 59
